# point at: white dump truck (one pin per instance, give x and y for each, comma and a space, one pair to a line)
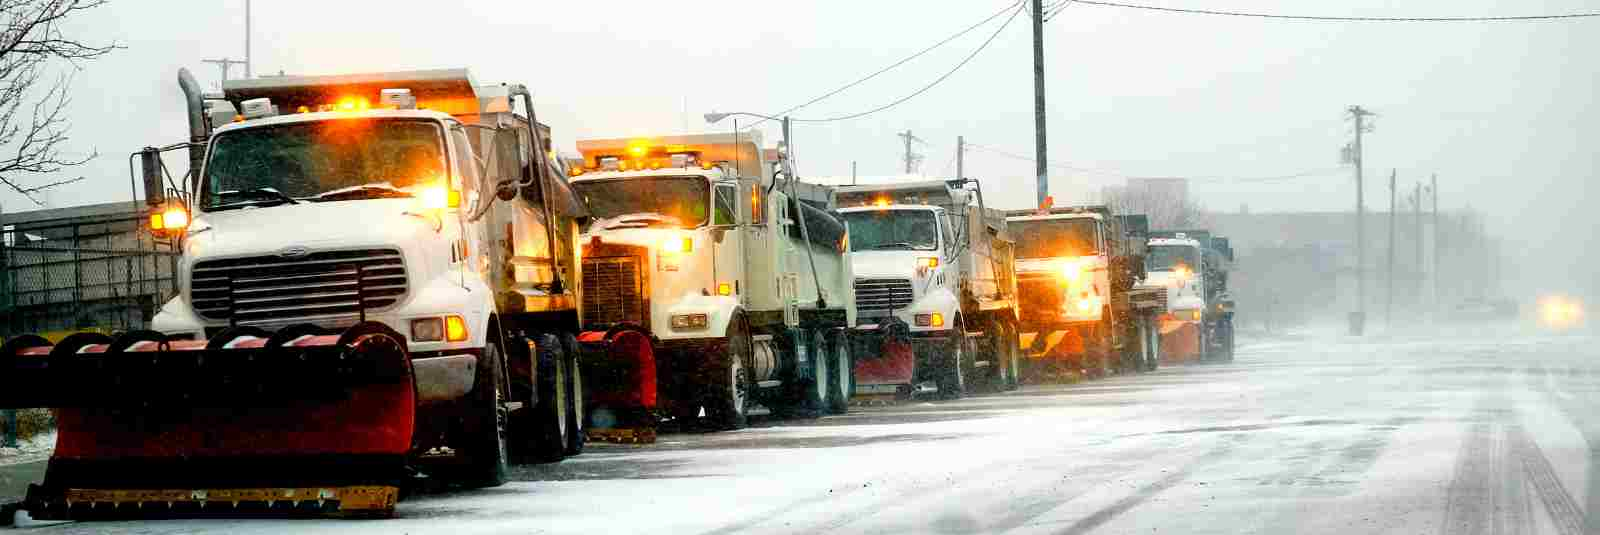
1078, 280
698, 252
377, 275
934, 270
1193, 267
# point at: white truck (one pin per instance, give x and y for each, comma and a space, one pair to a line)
419, 203
1082, 307
1193, 266
698, 253
934, 269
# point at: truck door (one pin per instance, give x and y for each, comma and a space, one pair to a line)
727, 241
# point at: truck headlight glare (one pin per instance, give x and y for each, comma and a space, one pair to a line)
688, 322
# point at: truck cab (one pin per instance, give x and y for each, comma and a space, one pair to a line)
1176, 263
1063, 267
697, 248
933, 266
415, 200
902, 256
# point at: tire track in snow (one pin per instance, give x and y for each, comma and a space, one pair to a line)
1556, 498
1564, 511
1089, 523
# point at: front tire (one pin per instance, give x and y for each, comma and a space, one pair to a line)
953, 377
729, 376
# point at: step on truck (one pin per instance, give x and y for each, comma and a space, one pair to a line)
936, 296
1077, 270
1193, 266
709, 287
377, 281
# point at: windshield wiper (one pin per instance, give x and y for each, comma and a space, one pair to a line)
362, 192
895, 245
262, 196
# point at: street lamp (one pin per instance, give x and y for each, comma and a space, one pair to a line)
715, 117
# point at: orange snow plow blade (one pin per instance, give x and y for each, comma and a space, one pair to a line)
1180, 341
298, 422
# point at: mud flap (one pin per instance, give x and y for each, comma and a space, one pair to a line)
250, 423
620, 377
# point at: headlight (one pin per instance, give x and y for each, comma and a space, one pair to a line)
449, 328
439, 197
678, 244
1071, 272
1182, 273
688, 322
929, 320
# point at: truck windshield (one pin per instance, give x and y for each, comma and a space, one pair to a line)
285, 163
1169, 257
670, 200
1054, 238
886, 230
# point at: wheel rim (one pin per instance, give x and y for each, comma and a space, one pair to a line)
960, 356
577, 399
501, 419
736, 382
820, 384
843, 371
561, 398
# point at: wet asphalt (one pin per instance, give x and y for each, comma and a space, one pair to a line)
1479, 430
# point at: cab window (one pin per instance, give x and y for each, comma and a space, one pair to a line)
726, 205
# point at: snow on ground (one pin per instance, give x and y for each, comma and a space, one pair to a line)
1311, 432
28, 450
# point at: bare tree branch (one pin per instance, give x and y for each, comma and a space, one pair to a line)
33, 137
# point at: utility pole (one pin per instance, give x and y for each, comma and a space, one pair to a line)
1388, 299
961, 149
1040, 164
1416, 215
1437, 268
1359, 318
247, 72
912, 159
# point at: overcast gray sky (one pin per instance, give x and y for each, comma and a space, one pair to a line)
1504, 112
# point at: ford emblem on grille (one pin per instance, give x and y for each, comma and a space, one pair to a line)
293, 251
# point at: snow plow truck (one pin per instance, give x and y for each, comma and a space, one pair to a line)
1083, 310
710, 286
936, 290
377, 279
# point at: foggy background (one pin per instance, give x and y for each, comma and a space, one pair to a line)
1503, 112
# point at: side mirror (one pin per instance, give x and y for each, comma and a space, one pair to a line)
155, 190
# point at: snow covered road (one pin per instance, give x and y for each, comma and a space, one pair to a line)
1489, 434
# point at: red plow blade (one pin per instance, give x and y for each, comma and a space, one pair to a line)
295, 422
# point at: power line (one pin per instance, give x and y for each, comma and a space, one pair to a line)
1050, 12
935, 82
892, 66
1339, 18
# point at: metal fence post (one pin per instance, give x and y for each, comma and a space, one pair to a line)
9, 439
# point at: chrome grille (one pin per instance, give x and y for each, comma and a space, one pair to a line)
613, 291
883, 294
324, 287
